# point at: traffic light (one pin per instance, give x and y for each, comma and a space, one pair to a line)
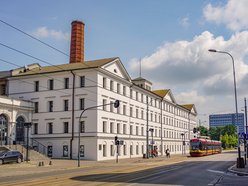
116, 103
194, 130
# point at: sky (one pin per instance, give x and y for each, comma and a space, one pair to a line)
171, 38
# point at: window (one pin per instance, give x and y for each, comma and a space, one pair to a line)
50, 151
124, 90
104, 82
66, 83
137, 130
131, 149
36, 107
81, 101
124, 129
142, 99
36, 86
131, 129
137, 113
81, 150
131, 111
65, 150
66, 105
124, 149
111, 85
111, 127
118, 128
131, 93
124, 110
50, 106
50, 84
151, 117
137, 96
50, 128
104, 154
142, 114
82, 81
118, 88
104, 102
104, 126
35, 128
112, 150
82, 126
137, 149
66, 127
111, 106
142, 131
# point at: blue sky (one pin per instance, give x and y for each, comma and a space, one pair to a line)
171, 37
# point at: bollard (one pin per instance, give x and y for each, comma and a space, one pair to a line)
42, 163
39, 164
50, 162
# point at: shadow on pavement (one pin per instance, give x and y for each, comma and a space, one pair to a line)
185, 173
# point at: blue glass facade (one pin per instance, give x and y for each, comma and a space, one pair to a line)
217, 120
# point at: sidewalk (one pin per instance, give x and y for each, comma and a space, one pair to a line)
239, 171
33, 167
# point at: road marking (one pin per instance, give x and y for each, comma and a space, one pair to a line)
216, 171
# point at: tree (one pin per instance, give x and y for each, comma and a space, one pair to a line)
203, 131
215, 132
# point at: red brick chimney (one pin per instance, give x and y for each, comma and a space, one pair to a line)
77, 42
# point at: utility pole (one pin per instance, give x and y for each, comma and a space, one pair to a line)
246, 132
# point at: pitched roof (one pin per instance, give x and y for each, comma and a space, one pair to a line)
161, 93
141, 79
67, 67
188, 106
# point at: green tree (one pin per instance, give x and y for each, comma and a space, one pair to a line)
203, 131
215, 132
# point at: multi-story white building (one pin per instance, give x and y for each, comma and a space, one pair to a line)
60, 93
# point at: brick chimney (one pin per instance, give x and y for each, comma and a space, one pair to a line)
77, 42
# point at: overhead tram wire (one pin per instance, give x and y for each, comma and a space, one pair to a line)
39, 60
23, 32
4, 22
43, 61
8, 62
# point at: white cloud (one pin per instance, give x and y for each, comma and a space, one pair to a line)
184, 22
197, 76
234, 14
44, 32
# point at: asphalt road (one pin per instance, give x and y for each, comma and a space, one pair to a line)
200, 171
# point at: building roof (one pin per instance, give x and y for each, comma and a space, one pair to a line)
188, 106
161, 93
141, 79
67, 67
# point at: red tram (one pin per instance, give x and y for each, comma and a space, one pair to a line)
204, 147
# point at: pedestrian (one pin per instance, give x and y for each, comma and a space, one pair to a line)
167, 152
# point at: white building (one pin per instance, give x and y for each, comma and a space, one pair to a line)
60, 94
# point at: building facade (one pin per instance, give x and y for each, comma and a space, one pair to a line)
61, 93
219, 120
13, 114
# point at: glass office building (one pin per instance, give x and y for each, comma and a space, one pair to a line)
217, 120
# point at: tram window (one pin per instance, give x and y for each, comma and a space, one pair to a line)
200, 146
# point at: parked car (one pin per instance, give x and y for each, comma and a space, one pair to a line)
11, 156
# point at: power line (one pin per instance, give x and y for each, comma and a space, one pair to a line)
34, 38
8, 24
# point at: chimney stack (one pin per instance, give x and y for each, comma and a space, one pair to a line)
77, 42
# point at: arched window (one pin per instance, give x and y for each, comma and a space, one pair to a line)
3, 129
20, 128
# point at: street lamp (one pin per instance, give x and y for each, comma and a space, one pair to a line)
116, 105
28, 126
236, 104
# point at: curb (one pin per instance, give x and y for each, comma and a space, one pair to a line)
237, 172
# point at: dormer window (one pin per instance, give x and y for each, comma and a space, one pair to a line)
115, 70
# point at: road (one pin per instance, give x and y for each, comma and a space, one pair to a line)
210, 170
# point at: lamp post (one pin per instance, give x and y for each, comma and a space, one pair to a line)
116, 105
182, 134
27, 125
236, 104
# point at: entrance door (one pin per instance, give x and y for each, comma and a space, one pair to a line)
20, 129
3, 129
